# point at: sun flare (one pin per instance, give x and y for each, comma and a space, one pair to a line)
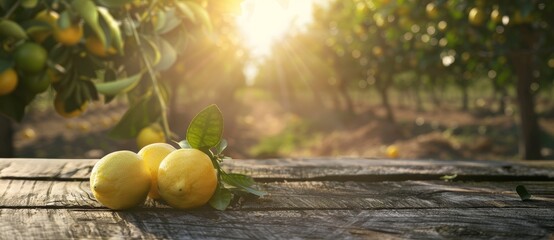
263, 22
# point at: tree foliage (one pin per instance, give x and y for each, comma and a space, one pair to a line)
362, 43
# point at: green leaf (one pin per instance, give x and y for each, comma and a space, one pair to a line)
242, 182
87, 10
118, 86
185, 10
221, 199
64, 21
10, 28
113, 3
33, 26
523, 193
168, 54
171, 22
144, 112
29, 3
221, 146
151, 50
206, 128
114, 29
240, 179
200, 13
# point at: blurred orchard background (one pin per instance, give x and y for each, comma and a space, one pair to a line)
457, 79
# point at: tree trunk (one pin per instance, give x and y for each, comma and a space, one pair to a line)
465, 96
433, 92
529, 144
385, 101
383, 88
502, 101
6, 137
347, 99
417, 94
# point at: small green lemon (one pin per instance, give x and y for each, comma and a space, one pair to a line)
152, 155
30, 57
120, 180
186, 178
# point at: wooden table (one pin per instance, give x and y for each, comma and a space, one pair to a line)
308, 198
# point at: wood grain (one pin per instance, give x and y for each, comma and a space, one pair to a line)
484, 223
308, 198
308, 195
311, 169
49, 169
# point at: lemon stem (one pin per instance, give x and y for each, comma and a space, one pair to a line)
157, 90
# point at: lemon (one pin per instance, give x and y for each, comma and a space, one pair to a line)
120, 180
68, 36
95, 46
186, 178
392, 151
8, 81
149, 135
59, 106
29, 134
45, 16
152, 155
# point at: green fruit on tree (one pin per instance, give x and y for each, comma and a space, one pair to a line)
30, 57
36, 83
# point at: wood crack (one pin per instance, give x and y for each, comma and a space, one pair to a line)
349, 178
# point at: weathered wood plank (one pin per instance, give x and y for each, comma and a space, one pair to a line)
486, 223
311, 169
46, 168
308, 195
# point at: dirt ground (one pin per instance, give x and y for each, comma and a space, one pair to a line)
265, 129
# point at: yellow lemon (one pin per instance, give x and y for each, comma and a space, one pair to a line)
46, 16
392, 151
149, 135
29, 134
69, 36
95, 46
8, 81
186, 178
152, 155
59, 106
120, 180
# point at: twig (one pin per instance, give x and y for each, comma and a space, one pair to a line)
12, 9
156, 87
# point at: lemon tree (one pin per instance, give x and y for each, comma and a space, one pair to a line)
93, 50
412, 46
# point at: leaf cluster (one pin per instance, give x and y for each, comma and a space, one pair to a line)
138, 40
